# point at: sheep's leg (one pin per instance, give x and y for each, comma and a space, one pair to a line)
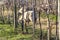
26, 27
30, 18
22, 24
26, 22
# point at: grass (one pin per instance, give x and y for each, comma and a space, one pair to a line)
7, 31
51, 16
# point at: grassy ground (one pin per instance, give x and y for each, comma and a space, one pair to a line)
7, 31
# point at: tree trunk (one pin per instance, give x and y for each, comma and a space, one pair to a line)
23, 16
15, 16
3, 14
34, 16
57, 33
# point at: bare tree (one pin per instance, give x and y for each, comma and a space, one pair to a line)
34, 16
23, 16
15, 16
3, 14
8, 8
57, 33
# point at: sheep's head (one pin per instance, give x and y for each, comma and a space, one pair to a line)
21, 9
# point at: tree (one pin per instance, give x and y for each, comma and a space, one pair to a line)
3, 13
34, 16
15, 17
57, 33
23, 16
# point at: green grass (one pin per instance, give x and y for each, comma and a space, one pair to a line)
51, 16
7, 31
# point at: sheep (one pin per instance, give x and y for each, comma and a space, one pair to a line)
27, 17
26, 13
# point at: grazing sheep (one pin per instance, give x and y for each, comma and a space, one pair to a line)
27, 14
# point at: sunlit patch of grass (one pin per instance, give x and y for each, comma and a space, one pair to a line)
43, 15
52, 17
5, 30
20, 36
8, 32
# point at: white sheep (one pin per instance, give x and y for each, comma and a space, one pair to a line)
26, 14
